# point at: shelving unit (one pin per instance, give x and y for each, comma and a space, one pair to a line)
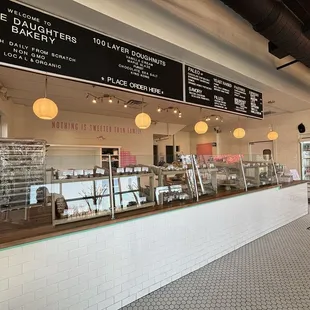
114, 152
22, 164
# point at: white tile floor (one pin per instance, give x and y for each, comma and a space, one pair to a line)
272, 272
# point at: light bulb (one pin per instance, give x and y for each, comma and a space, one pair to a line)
125, 105
207, 119
110, 100
180, 115
159, 109
94, 101
217, 118
175, 111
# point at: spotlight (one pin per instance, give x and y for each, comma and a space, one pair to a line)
125, 105
159, 109
175, 111
217, 118
208, 119
110, 100
94, 101
180, 115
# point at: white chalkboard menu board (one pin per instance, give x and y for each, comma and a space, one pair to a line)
210, 91
32, 40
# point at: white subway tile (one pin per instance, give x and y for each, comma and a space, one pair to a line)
4, 284
34, 285
143, 293
77, 252
78, 289
11, 293
66, 303
57, 297
98, 299
34, 265
11, 252
94, 307
106, 303
68, 283
116, 306
105, 286
46, 291
86, 259
58, 277
45, 271
96, 281
135, 289
121, 296
113, 291
4, 262
4, 305
89, 293
20, 259
37, 304
57, 258
68, 264
129, 300
82, 305
78, 271
8, 272
19, 302
68, 246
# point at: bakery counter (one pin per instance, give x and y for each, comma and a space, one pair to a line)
17, 233
148, 248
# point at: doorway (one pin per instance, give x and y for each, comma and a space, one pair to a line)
155, 155
169, 154
261, 150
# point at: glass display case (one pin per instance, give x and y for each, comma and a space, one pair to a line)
305, 160
259, 170
60, 195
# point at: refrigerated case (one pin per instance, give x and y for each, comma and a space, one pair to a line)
305, 160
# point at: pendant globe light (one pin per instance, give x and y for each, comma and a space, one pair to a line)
201, 127
45, 108
239, 133
272, 135
143, 120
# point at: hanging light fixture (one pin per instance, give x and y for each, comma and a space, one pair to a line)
143, 120
239, 133
110, 100
125, 105
45, 108
94, 101
272, 135
159, 109
201, 127
180, 114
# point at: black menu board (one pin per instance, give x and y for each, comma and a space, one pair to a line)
209, 91
37, 41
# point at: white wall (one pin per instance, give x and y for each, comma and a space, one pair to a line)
27, 125
109, 267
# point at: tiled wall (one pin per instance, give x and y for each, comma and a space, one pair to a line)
109, 267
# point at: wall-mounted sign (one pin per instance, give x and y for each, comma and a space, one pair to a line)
210, 91
35, 40
99, 128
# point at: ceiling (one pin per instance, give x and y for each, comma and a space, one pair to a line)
23, 88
